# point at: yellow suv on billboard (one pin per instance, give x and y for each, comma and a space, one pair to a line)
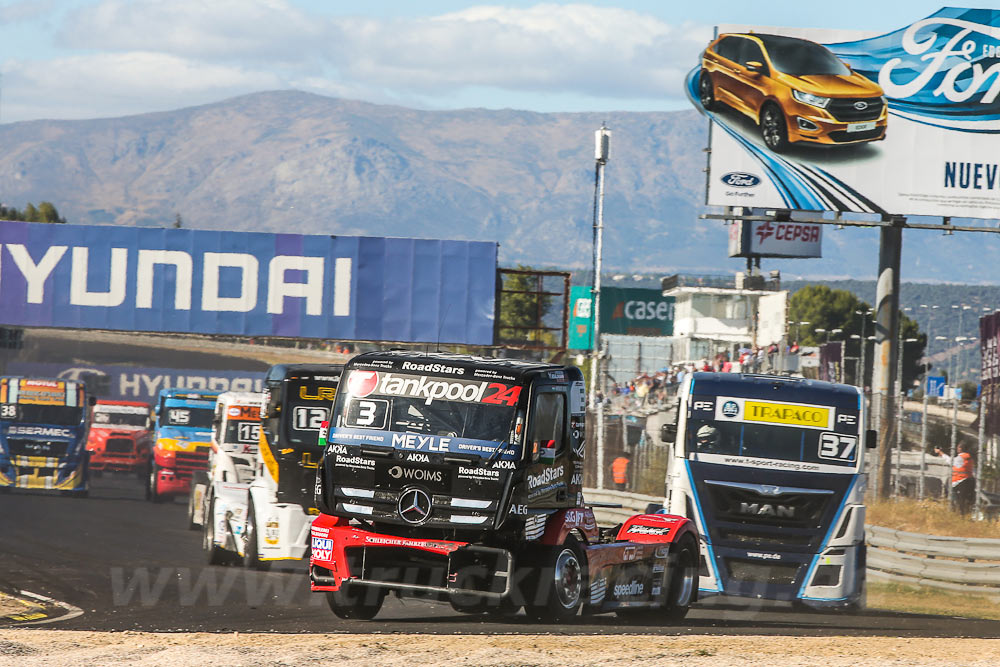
794, 89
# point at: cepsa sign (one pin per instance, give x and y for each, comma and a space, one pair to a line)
341, 287
768, 238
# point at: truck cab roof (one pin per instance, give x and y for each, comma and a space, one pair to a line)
465, 365
285, 371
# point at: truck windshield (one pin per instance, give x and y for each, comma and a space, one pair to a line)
242, 431
436, 406
117, 416
28, 413
307, 406
740, 442
187, 416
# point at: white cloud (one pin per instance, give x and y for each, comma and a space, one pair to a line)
218, 29
24, 10
127, 56
117, 84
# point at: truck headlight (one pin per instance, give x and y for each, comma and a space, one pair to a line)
810, 99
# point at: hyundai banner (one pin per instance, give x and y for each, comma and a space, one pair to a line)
904, 122
139, 383
179, 280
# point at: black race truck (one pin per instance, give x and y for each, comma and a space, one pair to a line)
461, 478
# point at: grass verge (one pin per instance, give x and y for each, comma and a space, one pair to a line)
913, 600
931, 517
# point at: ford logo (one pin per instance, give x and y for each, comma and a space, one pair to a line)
861, 105
740, 179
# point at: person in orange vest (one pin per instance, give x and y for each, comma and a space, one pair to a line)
963, 484
619, 472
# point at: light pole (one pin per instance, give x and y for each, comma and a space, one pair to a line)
899, 409
861, 339
602, 143
921, 489
840, 366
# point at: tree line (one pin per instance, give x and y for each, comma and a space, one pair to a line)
44, 212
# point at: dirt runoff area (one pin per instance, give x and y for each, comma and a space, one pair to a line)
24, 648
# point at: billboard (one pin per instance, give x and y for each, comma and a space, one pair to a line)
628, 311
138, 383
771, 238
904, 122
247, 283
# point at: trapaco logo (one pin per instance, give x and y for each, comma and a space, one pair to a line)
740, 179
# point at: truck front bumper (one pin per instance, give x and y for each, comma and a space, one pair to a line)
436, 568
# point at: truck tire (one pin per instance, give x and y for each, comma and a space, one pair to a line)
198, 479
358, 603
251, 554
216, 554
152, 488
561, 581
683, 588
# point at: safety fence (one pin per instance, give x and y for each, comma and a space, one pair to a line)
962, 564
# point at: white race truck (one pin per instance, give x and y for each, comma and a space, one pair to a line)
219, 499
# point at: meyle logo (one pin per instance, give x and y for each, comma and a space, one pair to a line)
629, 589
741, 179
40, 430
545, 477
416, 474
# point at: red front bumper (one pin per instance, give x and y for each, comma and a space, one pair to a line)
329, 562
117, 462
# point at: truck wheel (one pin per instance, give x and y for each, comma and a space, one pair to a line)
152, 487
359, 603
251, 554
216, 555
562, 580
683, 589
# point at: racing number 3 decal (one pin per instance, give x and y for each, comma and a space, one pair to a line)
837, 447
502, 394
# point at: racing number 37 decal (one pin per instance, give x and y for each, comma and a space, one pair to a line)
837, 447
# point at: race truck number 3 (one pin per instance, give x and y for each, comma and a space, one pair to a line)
837, 447
367, 413
308, 419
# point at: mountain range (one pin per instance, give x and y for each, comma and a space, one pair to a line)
297, 162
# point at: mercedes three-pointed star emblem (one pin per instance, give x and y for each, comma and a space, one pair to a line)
414, 506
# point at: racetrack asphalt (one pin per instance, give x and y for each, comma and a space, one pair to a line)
133, 565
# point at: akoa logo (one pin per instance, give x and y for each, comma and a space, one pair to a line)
740, 179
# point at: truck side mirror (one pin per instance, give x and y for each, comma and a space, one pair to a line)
668, 433
871, 439
91, 401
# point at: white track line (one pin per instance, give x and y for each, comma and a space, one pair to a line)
71, 611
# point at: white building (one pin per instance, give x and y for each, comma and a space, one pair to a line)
714, 314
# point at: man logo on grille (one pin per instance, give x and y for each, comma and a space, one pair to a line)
414, 506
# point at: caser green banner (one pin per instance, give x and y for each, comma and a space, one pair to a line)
629, 311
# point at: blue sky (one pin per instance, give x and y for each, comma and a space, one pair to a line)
73, 59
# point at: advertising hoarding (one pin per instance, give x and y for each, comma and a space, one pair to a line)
770, 238
139, 383
628, 311
989, 344
247, 283
904, 122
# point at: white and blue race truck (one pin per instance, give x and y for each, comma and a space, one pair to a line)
771, 469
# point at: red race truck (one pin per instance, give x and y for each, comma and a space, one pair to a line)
461, 478
120, 437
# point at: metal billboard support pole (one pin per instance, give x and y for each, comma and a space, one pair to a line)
979, 458
923, 440
602, 139
887, 321
954, 436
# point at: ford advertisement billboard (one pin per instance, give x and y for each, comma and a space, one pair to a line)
904, 122
247, 283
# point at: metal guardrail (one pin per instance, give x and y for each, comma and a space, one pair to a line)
962, 564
